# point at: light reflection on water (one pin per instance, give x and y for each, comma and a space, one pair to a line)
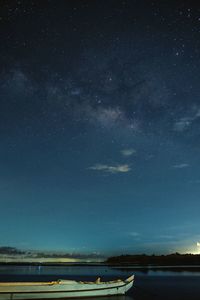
97, 271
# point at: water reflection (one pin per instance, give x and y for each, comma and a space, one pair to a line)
90, 272
160, 270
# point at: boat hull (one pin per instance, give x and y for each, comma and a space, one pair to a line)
62, 291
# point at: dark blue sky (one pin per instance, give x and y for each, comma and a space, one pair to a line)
100, 126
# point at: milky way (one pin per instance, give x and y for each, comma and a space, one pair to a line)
100, 125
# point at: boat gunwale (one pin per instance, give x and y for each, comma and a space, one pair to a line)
69, 291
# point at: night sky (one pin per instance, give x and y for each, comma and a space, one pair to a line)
100, 126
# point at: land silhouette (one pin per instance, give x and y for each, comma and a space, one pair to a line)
174, 259
12, 255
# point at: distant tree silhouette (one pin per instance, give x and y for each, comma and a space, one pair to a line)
143, 259
10, 251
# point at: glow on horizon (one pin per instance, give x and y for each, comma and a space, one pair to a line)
195, 249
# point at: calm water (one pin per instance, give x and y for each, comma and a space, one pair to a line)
149, 284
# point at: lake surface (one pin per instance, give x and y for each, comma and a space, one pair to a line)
159, 283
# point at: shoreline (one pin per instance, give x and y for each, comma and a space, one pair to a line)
115, 266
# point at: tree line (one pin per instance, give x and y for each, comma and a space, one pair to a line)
143, 259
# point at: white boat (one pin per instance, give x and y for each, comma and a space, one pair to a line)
62, 289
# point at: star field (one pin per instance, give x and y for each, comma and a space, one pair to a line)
100, 125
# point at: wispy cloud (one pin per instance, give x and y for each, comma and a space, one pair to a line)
128, 152
111, 169
194, 181
181, 166
134, 234
185, 122
182, 124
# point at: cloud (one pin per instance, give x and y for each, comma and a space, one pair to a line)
198, 244
56, 256
195, 181
197, 114
10, 251
134, 234
185, 122
180, 166
128, 152
182, 124
111, 169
